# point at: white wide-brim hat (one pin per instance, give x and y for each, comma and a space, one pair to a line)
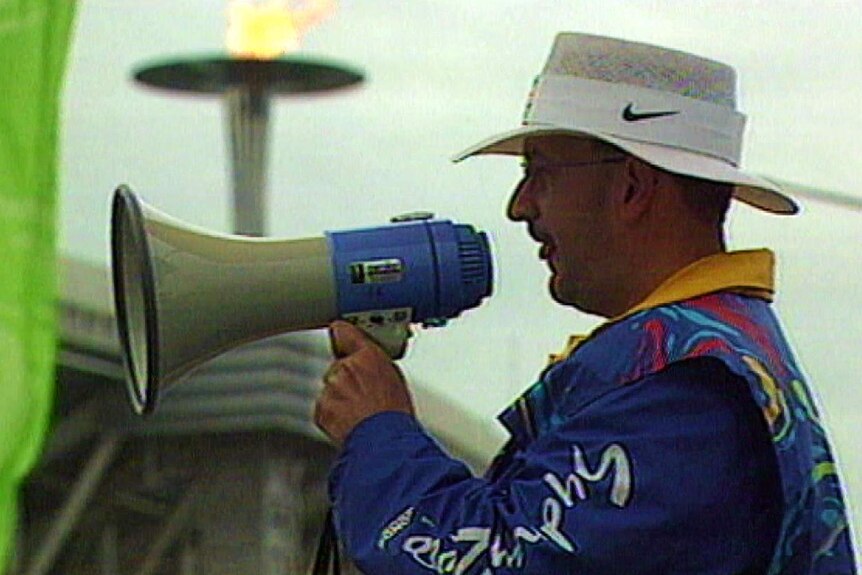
671, 109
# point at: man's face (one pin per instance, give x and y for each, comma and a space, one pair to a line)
565, 200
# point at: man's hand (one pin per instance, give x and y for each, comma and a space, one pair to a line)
361, 382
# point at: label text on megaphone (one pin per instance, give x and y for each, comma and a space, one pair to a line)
376, 271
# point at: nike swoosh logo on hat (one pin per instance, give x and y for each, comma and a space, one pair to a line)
629, 115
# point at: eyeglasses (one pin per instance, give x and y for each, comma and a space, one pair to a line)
534, 169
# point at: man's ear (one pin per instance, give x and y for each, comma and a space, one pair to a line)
638, 191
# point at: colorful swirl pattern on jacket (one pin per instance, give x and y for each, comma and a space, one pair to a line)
744, 333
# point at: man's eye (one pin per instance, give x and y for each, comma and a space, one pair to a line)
529, 171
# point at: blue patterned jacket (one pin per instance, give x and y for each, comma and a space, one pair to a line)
679, 439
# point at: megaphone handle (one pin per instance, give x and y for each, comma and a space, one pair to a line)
391, 337
389, 328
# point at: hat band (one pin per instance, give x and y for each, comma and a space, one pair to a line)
636, 113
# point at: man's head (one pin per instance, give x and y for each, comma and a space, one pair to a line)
611, 226
632, 152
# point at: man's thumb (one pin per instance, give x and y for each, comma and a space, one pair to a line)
345, 338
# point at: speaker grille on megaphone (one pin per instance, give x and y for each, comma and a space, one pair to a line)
184, 295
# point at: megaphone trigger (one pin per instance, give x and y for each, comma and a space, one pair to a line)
390, 329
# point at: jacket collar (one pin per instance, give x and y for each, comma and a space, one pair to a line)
745, 272
748, 272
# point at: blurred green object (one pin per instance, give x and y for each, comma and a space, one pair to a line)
34, 42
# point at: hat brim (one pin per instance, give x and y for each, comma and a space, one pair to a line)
754, 190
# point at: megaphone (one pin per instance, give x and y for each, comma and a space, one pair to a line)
184, 295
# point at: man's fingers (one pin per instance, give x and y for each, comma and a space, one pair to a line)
331, 375
345, 338
362, 382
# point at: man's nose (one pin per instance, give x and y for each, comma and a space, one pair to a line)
521, 206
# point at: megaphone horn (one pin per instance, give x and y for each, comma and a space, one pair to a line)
184, 295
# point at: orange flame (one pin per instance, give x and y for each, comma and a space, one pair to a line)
266, 29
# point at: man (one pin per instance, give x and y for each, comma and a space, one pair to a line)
679, 436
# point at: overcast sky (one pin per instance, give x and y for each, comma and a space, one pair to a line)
441, 75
